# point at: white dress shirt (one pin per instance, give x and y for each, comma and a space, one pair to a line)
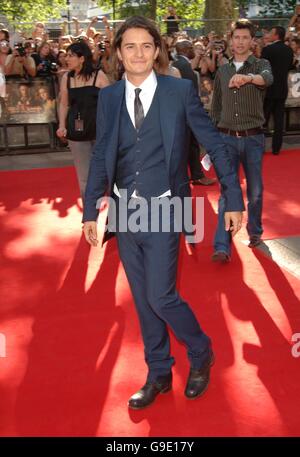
148, 88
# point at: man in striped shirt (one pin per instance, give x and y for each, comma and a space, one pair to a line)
237, 110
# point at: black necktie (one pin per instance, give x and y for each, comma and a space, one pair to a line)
138, 109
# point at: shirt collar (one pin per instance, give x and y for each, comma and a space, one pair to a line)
147, 86
248, 61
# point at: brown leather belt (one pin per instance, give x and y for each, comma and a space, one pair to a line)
239, 133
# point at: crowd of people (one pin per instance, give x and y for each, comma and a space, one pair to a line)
37, 55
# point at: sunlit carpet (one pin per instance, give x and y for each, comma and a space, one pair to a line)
70, 347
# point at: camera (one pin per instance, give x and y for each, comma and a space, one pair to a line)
20, 49
101, 46
218, 46
53, 66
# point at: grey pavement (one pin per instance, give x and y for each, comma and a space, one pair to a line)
285, 252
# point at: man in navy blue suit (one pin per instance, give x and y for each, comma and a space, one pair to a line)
141, 148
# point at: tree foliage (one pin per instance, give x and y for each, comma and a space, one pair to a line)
187, 9
277, 8
31, 10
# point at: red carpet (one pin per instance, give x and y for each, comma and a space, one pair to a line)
73, 347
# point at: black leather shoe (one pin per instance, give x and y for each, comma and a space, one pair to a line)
220, 256
205, 181
254, 241
147, 394
198, 380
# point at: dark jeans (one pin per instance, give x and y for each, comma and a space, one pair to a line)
249, 152
275, 107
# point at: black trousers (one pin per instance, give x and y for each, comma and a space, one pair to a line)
275, 106
196, 169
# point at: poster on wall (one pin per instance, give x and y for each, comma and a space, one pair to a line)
29, 101
293, 98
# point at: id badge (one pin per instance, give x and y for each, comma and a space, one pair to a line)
79, 125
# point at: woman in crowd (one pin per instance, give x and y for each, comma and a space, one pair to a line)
43, 60
78, 105
5, 50
295, 45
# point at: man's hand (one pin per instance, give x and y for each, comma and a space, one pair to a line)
239, 80
233, 221
90, 232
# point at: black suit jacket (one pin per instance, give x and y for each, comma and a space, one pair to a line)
186, 70
280, 57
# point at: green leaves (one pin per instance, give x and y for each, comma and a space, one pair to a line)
187, 9
31, 10
277, 8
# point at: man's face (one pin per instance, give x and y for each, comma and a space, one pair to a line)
241, 41
138, 52
43, 94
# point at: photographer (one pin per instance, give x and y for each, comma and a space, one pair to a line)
295, 20
44, 60
19, 64
217, 55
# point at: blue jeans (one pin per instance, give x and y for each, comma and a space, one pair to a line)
249, 152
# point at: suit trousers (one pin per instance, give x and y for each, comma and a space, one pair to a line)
150, 262
275, 106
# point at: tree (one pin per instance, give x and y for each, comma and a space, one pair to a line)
278, 8
155, 9
17, 11
219, 9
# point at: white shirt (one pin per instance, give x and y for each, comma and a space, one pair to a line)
146, 96
148, 88
238, 65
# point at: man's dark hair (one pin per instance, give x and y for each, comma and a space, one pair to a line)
81, 49
280, 32
137, 22
243, 24
182, 45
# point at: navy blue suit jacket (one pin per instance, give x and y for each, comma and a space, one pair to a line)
180, 108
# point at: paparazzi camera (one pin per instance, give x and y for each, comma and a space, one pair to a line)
53, 67
102, 46
20, 50
218, 46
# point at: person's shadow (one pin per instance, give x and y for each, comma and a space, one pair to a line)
75, 344
39, 185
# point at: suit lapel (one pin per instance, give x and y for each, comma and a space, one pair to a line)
167, 110
115, 104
